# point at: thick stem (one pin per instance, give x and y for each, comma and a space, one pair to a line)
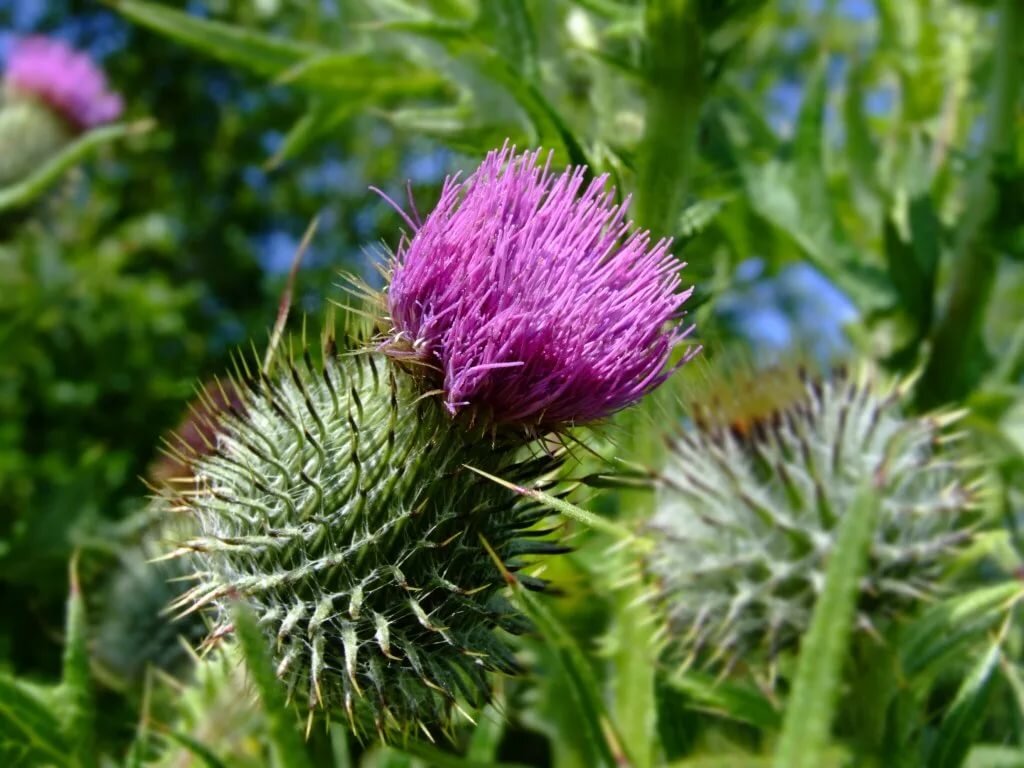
675, 92
949, 373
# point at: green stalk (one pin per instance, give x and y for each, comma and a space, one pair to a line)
807, 724
675, 93
958, 334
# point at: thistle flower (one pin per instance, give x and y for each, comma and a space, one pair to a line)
751, 499
533, 298
66, 80
50, 93
339, 505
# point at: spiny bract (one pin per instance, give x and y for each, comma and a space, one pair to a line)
338, 503
749, 505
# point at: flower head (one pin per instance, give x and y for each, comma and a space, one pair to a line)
534, 297
68, 81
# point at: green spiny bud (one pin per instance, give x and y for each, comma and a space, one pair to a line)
751, 497
30, 133
338, 503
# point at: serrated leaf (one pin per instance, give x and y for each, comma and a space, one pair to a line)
812, 702
262, 54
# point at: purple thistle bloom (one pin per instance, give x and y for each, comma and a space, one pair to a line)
68, 81
534, 297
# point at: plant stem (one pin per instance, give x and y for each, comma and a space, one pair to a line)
675, 93
949, 373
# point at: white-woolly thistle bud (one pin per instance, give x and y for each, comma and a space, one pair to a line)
338, 503
751, 498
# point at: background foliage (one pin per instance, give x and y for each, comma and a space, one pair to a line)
843, 178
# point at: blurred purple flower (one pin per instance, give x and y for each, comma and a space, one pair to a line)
535, 299
65, 79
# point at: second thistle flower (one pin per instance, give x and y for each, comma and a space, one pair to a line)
533, 298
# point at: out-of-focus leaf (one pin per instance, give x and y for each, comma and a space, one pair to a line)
809, 712
202, 753
995, 756
260, 53
457, 126
584, 695
29, 730
486, 738
316, 123
76, 685
281, 721
439, 759
510, 24
776, 194
946, 628
350, 76
25, 191
913, 263
734, 701
964, 718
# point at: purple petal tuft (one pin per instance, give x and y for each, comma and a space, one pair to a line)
65, 79
534, 296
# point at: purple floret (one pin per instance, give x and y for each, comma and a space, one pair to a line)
534, 297
65, 79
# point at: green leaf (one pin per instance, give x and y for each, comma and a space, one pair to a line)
583, 693
808, 143
913, 263
285, 739
259, 53
566, 508
995, 756
28, 727
319, 121
862, 154
204, 754
509, 24
359, 76
633, 686
439, 759
963, 720
76, 685
486, 737
25, 191
734, 701
812, 702
945, 629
